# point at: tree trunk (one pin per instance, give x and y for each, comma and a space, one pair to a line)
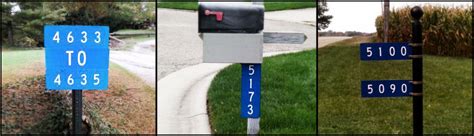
10, 33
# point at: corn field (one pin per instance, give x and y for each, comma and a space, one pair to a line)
447, 31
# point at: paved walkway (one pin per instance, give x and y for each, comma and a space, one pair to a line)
183, 79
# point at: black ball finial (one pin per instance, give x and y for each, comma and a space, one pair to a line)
416, 12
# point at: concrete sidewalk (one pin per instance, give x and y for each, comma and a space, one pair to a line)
304, 16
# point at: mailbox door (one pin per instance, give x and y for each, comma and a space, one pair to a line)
230, 18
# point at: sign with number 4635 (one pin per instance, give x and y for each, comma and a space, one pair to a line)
77, 57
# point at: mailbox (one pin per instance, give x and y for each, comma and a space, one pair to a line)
231, 33
230, 18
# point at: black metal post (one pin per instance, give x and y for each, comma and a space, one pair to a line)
76, 111
417, 68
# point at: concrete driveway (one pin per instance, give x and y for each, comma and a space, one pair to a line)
140, 61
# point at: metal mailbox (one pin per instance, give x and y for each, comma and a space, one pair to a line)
231, 33
230, 18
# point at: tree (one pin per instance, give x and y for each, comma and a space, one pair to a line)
323, 20
116, 15
26, 25
30, 20
7, 31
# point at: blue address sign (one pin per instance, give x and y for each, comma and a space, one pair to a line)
386, 88
385, 51
76, 57
250, 94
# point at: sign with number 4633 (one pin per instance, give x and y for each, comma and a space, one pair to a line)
77, 57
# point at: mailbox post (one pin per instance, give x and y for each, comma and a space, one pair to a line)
232, 33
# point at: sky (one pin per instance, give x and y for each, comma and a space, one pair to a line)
360, 16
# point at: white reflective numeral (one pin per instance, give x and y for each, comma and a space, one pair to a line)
84, 37
84, 79
404, 88
57, 80
251, 69
392, 51
96, 79
70, 39
251, 95
250, 112
380, 51
381, 88
70, 81
97, 33
393, 87
56, 37
250, 83
369, 51
403, 50
369, 87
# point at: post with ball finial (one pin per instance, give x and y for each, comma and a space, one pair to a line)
417, 68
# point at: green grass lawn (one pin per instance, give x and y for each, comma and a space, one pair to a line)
269, 6
288, 96
447, 94
18, 58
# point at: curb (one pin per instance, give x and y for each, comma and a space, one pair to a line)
185, 110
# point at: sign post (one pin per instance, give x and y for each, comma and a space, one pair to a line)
399, 88
250, 96
417, 67
77, 58
76, 111
239, 39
